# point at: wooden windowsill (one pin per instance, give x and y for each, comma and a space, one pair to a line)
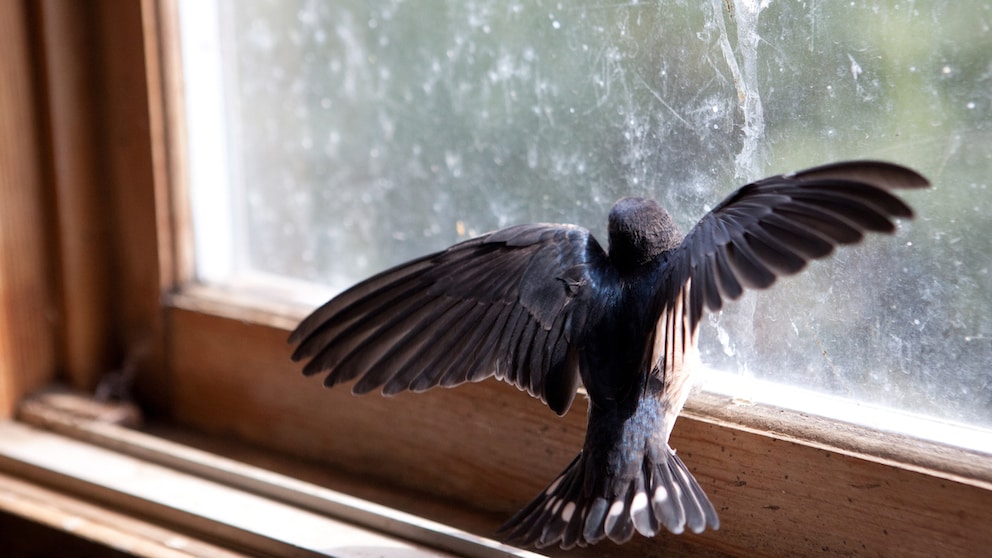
212, 498
121, 463
36, 520
949, 502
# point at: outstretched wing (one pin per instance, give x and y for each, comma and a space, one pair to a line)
768, 229
506, 304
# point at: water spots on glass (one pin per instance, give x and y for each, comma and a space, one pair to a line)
855, 67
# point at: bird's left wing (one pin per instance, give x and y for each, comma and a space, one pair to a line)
504, 304
768, 229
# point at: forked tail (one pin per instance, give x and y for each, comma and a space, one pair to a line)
583, 506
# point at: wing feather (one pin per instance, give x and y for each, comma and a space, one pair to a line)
502, 304
764, 230
774, 227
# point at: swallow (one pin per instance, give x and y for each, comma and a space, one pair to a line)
544, 306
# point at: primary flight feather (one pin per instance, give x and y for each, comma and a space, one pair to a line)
544, 307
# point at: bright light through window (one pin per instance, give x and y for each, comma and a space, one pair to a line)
330, 140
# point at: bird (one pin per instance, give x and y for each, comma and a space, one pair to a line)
546, 308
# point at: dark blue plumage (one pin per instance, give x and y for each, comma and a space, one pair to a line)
544, 306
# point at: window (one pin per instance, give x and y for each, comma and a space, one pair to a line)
345, 137
211, 355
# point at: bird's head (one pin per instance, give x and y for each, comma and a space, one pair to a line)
640, 230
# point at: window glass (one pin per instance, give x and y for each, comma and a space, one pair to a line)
330, 140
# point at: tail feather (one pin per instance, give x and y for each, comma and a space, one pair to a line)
583, 507
699, 511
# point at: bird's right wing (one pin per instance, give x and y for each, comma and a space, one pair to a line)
768, 229
504, 304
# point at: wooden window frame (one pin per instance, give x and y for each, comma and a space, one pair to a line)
91, 140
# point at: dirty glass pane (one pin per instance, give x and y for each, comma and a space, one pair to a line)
332, 139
